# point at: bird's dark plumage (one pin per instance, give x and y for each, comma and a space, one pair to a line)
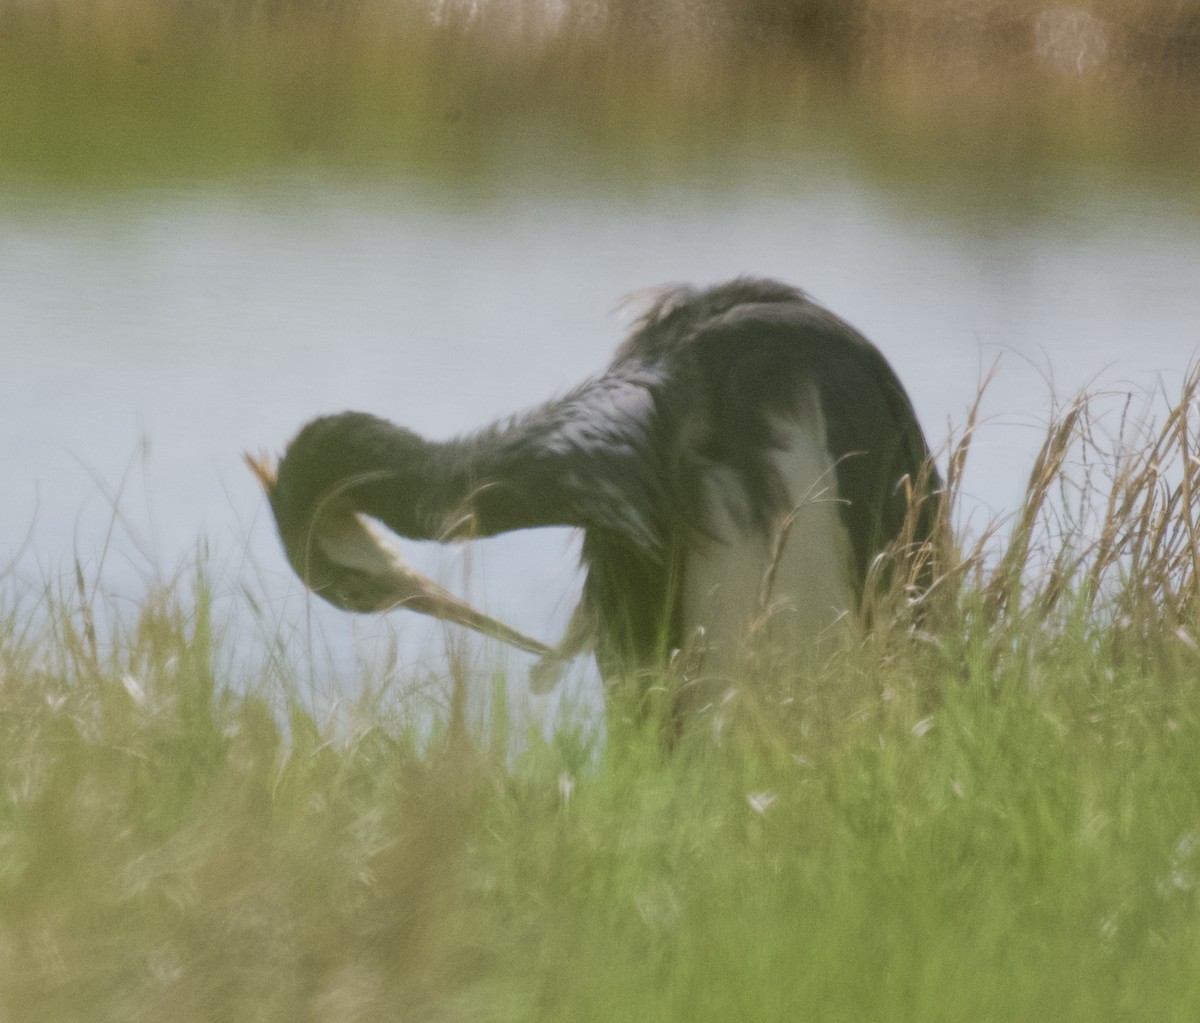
681, 450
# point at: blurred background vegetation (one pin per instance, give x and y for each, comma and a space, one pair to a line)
131, 90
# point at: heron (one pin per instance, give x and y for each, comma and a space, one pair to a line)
746, 457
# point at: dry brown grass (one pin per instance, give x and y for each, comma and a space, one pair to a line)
1106, 541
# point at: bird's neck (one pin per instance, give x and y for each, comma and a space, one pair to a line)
420, 489
479, 485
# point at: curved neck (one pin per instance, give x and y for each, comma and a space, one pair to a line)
488, 483
480, 485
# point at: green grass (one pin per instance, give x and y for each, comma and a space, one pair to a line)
994, 818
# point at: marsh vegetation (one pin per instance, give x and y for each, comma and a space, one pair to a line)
130, 91
990, 817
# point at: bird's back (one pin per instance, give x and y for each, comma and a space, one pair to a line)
778, 444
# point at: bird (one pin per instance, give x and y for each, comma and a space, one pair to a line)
747, 457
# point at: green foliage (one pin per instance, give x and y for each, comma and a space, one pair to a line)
994, 818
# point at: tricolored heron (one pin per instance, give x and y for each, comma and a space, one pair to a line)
746, 451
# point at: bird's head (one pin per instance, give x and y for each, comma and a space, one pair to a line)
340, 556
348, 560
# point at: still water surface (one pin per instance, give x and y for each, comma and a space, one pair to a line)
152, 338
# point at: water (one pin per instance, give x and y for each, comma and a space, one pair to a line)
149, 339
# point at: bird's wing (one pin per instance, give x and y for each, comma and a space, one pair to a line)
754, 357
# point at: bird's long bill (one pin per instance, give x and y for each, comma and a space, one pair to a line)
433, 600
401, 586
350, 562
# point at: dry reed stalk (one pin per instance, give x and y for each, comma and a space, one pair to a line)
1107, 537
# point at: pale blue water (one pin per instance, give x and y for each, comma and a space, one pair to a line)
152, 338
